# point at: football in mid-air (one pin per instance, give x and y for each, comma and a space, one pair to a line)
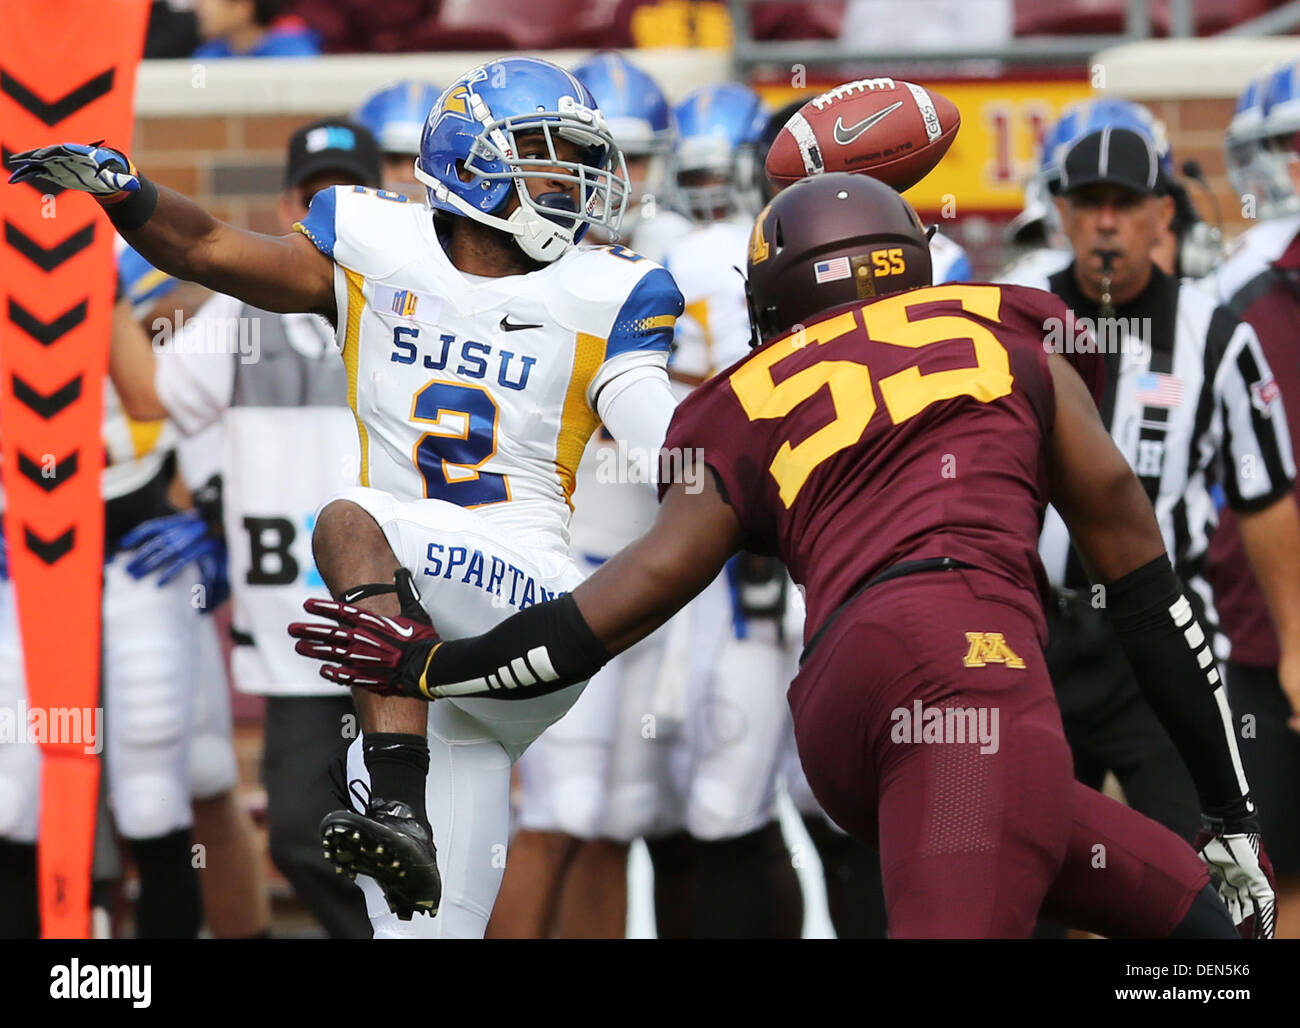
892, 130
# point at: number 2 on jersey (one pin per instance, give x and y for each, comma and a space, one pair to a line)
905, 393
463, 438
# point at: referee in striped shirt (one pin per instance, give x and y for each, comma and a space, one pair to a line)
1191, 402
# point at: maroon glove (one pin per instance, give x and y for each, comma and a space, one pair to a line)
367, 650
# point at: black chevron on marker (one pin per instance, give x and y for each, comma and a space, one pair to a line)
63, 470
69, 103
47, 406
41, 186
46, 332
53, 549
48, 258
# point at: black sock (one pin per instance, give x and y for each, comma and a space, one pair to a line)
855, 895
169, 905
1206, 918
399, 767
20, 917
673, 857
746, 888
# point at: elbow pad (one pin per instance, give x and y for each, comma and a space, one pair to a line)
543, 649
1175, 668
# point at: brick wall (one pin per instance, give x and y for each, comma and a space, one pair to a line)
231, 164
1196, 128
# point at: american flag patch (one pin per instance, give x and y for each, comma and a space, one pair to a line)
1262, 395
1156, 389
832, 270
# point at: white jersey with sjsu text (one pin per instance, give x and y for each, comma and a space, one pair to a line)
483, 392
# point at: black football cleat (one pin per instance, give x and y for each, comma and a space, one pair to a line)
389, 845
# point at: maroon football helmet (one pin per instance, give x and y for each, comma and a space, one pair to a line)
827, 241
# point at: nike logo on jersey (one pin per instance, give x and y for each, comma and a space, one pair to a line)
845, 135
509, 326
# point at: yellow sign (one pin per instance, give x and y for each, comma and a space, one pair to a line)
996, 146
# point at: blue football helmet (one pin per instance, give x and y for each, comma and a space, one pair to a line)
1241, 142
475, 128
719, 129
1280, 101
142, 283
395, 116
639, 117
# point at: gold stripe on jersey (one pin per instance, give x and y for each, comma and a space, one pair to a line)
144, 435
659, 321
351, 357
578, 420
699, 310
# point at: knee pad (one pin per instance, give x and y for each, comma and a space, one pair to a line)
717, 810
213, 769
146, 806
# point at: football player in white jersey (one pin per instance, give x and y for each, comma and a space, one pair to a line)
236, 903
482, 349
272, 387
706, 802
1260, 152
567, 873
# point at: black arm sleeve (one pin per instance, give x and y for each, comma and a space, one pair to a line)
1175, 668
540, 650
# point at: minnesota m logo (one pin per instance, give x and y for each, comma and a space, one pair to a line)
990, 648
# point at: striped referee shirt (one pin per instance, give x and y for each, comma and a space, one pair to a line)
1190, 402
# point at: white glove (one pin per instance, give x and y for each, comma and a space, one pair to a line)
1243, 875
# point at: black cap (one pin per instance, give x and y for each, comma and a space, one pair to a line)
333, 144
1117, 156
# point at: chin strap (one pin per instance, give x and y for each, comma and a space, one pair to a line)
403, 585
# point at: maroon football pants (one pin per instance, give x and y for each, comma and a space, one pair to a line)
926, 724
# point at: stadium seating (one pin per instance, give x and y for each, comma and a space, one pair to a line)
1102, 17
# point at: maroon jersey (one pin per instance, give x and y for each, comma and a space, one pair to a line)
902, 428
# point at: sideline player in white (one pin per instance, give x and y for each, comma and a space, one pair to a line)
567, 873
703, 791
148, 686
481, 351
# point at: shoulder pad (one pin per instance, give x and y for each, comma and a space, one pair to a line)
369, 230
617, 295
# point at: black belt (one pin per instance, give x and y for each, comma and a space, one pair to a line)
907, 567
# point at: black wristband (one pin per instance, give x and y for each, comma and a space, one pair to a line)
129, 214
1173, 661
545, 648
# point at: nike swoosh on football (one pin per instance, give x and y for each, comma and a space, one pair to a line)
509, 326
845, 135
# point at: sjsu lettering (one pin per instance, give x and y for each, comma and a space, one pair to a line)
471, 359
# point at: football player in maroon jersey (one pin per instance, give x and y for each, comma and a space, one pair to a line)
896, 444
